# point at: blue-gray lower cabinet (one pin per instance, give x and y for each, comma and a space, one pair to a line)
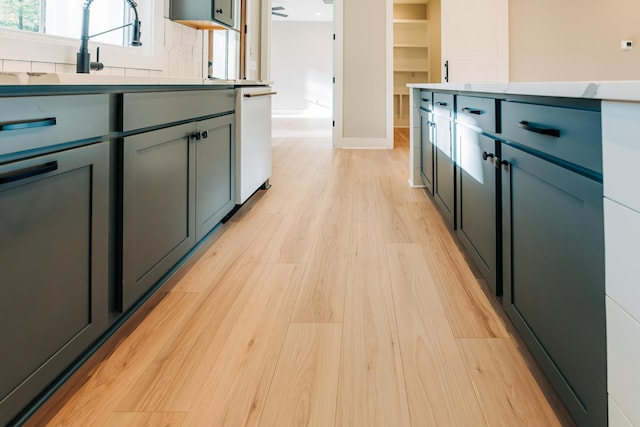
54, 215
444, 166
178, 184
478, 222
426, 149
553, 266
158, 205
215, 172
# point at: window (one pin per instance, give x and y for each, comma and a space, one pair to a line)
226, 54
64, 18
21, 14
51, 33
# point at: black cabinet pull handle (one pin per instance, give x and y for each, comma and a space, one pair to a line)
196, 136
218, 10
258, 94
486, 155
28, 172
446, 71
428, 110
205, 134
537, 129
472, 111
26, 124
503, 163
441, 104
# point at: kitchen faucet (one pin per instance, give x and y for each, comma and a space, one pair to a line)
83, 61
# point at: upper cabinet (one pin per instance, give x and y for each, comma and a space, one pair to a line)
206, 15
475, 41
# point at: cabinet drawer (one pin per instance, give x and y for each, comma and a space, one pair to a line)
478, 112
426, 100
565, 133
443, 104
144, 110
30, 123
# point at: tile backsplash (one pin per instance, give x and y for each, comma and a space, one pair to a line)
183, 48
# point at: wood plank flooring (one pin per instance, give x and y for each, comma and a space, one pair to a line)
336, 298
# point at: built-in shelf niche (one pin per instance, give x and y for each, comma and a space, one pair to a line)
410, 53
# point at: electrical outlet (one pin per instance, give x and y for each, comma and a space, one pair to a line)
626, 44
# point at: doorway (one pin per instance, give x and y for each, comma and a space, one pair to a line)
302, 59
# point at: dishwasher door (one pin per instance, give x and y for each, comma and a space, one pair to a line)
253, 149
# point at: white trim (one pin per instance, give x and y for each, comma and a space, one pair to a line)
412, 185
337, 73
34, 47
389, 71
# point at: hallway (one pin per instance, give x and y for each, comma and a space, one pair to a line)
336, 297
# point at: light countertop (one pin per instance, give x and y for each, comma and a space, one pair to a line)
606, 90
38, 79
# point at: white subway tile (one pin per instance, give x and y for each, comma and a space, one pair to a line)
65, 68
43, 67
622, 246
621, 152
616, 417
117, 71
131, 72
189, 36
16, 66
623, 354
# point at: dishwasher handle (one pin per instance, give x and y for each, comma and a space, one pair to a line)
255, 95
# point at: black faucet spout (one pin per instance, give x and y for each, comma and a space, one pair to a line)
83, 58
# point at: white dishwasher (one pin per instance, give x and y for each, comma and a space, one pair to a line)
253, 137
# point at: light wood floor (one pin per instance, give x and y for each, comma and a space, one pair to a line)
337, 297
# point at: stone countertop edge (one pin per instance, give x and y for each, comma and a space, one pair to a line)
604, 90
15, 79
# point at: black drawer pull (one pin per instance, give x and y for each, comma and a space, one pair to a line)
543, 131
428, 110
441, 104
28, 172
218, 10
472, 111
25, 124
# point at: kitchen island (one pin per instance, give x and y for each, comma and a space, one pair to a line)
107, 185
551, 169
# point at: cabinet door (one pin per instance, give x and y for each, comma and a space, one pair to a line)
475, 40
477, 205
53, 274
215, 172
444, 188
223, 11
158, 206
426, 150
554, 277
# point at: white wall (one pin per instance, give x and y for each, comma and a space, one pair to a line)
364, 59
302, 68
364, 113
553, 40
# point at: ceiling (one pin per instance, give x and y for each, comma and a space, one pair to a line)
303, 10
